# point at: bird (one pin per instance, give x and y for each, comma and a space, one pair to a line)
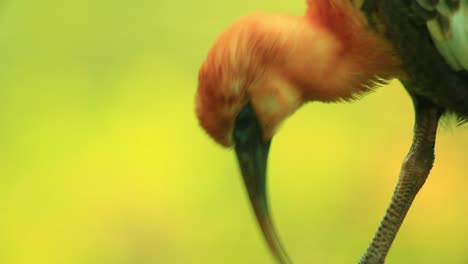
265, 66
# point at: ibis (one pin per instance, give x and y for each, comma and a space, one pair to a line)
265, 66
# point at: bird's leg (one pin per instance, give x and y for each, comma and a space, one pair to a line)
413, 174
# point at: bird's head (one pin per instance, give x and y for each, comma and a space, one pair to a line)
243, 83
244, 93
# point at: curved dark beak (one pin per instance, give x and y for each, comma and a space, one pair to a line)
252, 154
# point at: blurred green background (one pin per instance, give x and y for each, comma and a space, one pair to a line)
102, 159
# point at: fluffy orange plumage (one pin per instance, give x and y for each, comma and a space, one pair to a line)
278, 62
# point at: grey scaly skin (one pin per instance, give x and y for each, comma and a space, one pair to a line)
435, 88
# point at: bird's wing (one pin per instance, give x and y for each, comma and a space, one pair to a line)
449, 30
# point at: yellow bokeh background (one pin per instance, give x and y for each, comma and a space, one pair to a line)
102, 160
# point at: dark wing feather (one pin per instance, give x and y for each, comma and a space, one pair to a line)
449, 30
436, 73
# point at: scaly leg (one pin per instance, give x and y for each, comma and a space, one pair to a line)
414, 171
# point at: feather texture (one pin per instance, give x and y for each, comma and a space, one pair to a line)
449, 30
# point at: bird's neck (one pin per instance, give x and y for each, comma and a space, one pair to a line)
334, 55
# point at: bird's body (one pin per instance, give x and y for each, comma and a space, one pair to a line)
265, 66
428, 73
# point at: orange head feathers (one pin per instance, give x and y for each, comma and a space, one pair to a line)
278, 62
